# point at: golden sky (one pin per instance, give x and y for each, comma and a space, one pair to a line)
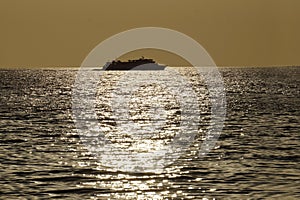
43, 33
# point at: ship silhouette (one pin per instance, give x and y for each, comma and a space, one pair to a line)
137, 64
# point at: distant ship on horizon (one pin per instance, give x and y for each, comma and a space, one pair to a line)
137, 64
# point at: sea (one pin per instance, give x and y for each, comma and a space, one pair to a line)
44, 155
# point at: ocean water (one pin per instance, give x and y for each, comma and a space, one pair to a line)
42, 154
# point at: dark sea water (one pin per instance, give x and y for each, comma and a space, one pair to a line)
256, 156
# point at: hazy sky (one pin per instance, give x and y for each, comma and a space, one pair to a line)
234, 32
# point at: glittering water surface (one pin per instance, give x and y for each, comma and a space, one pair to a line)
257, 155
